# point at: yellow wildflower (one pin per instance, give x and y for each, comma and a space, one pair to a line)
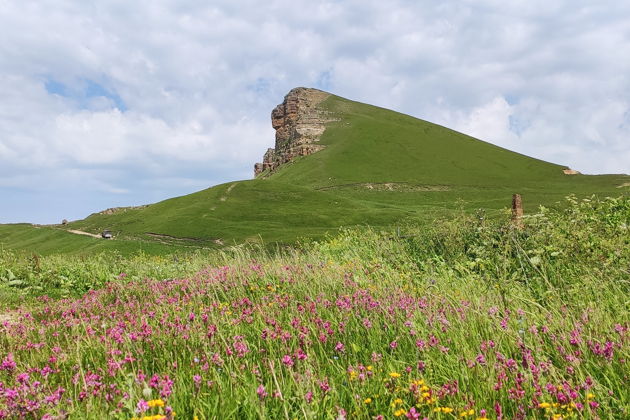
369, 368
426, 395
394, 375
437, 409
544, 405
155, 403
400, 412
590, 396
424, 388
447, 410
367, 400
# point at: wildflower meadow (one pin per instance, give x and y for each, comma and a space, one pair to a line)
465, 319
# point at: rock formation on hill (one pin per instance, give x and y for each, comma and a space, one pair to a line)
299, 124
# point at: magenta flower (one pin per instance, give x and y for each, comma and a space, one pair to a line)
261, 392
301, 355
8, 363
498, 410
308, 397
324, 386
142, 407
413, 413
288, 360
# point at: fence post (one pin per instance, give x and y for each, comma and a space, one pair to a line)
517, 211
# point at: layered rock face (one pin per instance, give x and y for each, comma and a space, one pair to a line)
299, 124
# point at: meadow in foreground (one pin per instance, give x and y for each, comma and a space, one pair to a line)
469, 319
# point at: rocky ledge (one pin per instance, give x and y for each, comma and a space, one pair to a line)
299, 124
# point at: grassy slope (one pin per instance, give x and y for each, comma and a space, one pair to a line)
47, 240
434, 170
248, 209
372, 144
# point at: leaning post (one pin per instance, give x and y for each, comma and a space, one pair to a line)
517, 211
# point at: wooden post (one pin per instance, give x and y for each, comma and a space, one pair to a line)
517, 211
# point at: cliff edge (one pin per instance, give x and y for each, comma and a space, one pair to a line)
299, 124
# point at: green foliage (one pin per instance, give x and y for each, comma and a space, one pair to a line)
60, 276
588, 239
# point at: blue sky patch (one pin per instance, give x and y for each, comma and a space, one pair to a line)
83, 94
56, 88
519, 125
324, 80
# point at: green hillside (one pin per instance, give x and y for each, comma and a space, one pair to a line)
379, 168
372, 144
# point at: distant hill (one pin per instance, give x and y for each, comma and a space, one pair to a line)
335, 163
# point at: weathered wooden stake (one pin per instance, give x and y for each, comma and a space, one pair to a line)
517, 211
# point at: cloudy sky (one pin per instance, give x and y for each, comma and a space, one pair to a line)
115, 102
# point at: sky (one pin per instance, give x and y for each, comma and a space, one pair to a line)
115, 103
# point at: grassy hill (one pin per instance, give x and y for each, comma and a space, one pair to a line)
379, 168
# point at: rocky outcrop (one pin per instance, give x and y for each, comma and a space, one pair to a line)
299, 124
569, 171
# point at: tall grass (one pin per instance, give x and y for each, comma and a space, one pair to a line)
467, 319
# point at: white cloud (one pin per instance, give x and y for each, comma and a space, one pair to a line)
195, 82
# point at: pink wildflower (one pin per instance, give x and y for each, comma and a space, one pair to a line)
324, 386
288, 360
8, 363
261, 392
308, 397
142, 407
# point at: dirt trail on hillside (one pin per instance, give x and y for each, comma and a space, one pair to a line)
225, 197
80, 232
228, 191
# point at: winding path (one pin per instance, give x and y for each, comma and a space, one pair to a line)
80, 232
